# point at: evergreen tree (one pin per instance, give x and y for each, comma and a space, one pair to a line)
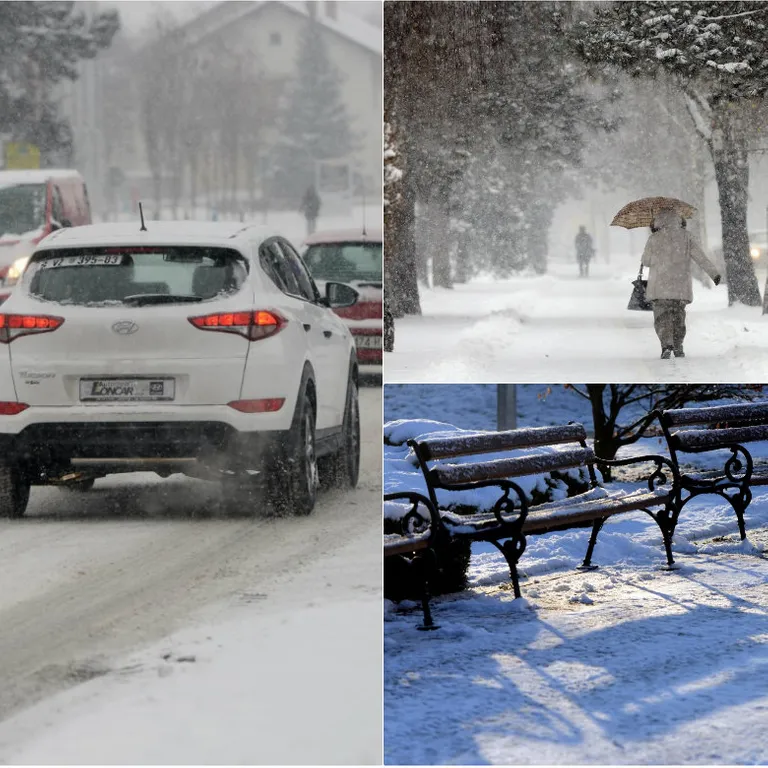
315, 124
492, 113
40, 46
716, 53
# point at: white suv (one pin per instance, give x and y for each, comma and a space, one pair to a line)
197, 348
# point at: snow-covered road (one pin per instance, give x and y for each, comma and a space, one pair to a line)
558, 327
88, 578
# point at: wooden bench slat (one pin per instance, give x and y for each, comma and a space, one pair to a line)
498, 469
717, 438
469, 445
555, 515
547, 517
717, 414
403, 545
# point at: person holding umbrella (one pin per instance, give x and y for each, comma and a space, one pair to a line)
669, 254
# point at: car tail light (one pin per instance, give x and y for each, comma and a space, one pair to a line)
11, 409
254, 325
13, 326
265, 405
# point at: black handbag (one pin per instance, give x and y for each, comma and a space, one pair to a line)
637, 300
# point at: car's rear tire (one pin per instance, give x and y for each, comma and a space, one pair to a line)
14, 492
292, 478
343, 469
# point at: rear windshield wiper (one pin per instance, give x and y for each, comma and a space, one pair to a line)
142, 299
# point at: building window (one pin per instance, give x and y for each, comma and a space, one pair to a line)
275, 38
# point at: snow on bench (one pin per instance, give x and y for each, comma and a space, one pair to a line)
511, 518
719, 427
497, 469
718, 414
489, 442
713, 439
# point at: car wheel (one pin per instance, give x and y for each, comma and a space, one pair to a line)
343, 469
292, 479
14, 492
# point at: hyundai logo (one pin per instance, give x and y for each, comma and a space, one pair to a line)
125, 327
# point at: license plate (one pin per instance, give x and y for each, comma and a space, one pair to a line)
127, 389
86, 260
368, 342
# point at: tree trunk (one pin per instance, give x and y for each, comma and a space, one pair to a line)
193, 170
537, 250
157, 180
439, 241
402, 287
731, 162
605, 443
463, 251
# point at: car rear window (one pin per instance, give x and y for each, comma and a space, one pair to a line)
134, 275
345, 262
22, 209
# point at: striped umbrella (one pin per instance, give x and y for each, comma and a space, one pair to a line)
640, 213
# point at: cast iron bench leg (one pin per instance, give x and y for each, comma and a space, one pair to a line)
666, 519
587, 564
512, 549
424, 563
740, 502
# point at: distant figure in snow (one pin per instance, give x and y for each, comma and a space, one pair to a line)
310, 207
584, 251
670, 254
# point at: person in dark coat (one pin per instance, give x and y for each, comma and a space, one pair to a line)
310, 207
584, 251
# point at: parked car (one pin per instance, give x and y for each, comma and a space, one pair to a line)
353, 257
199, 348
758, 250
32, 205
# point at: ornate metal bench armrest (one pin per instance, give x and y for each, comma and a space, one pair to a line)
435, 524
657, 477
504, 504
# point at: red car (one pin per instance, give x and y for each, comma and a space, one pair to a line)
353, 256
32, 205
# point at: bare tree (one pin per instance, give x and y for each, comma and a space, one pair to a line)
610, 404
165, 64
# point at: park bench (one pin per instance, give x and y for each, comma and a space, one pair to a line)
511, 518
722, 427
416, 544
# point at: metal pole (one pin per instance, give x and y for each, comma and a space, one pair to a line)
506, 406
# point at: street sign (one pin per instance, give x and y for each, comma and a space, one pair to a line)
20, 156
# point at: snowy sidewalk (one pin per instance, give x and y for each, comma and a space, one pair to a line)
558, 327
626, 665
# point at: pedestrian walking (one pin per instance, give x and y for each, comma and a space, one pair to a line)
670, 253
584, 251
310, 207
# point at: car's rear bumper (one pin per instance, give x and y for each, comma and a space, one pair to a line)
96, 414
47, 450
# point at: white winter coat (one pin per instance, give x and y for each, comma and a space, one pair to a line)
669, 253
